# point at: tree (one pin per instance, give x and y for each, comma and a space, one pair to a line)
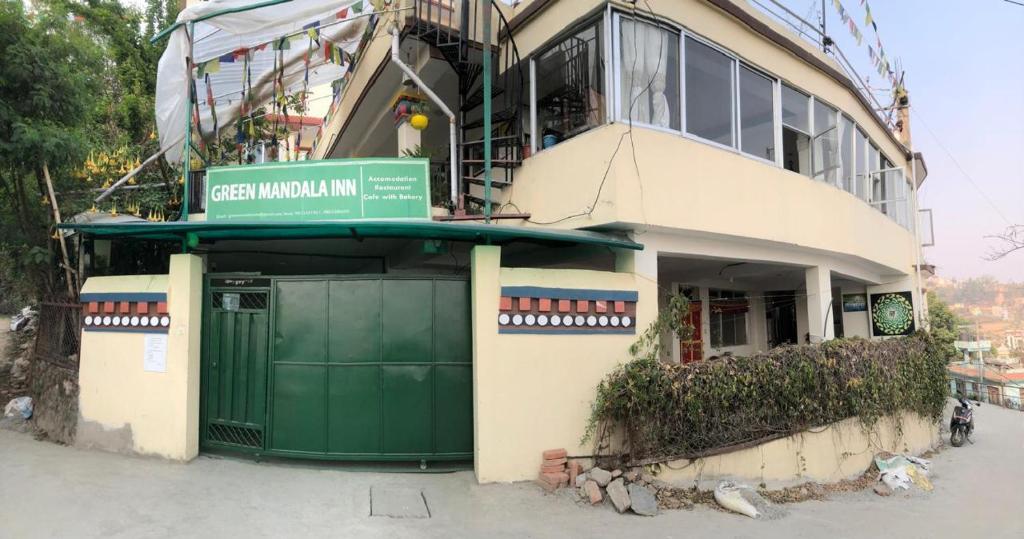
1010, 240
943, 323
77, 80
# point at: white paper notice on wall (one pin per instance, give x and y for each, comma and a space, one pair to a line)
154, 356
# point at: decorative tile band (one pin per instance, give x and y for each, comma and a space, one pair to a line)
125, 312
566, 311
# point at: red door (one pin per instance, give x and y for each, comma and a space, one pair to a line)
692, 349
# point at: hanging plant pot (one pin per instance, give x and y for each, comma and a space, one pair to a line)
419, 121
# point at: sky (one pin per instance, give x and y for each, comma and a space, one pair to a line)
964, 64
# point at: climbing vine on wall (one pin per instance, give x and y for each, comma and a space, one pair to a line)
669, 411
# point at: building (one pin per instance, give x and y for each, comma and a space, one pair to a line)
1001, 385
383, 308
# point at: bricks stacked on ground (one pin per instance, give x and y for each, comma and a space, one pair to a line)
554, 471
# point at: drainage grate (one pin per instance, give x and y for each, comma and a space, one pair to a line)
233, 301
232, 435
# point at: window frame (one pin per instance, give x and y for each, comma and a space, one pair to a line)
860, 164
734, 294
597, 17
616, 72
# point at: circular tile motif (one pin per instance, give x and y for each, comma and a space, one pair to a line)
579, 320
542, 320
154, 321
88, 320
893, 314
116, 321
626, 321
106, 320
530, 320
517, 320
165, 321
134, 321
556, 320
614, 321
603, 320
591, 320
504, 319
144, 321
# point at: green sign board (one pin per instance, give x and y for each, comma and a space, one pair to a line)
330, 189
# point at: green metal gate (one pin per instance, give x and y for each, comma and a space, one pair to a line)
359, 368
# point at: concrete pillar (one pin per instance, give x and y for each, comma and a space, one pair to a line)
408, 138
485, 283
819, 304
184, 340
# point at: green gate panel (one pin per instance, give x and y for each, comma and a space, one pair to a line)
301, 322
354, 319
453, 408
408, 320
234, 376
408, 410
354, 409
300, 416
453, 329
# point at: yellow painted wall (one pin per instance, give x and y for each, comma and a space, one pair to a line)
533, 392
690, 185
124, 408
841, 451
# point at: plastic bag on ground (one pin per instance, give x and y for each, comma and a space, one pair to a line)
728, 495
19, 406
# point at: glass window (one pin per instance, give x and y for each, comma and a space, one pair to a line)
649, 64
709, 93
860, 158
795, 109
826, 143
728, 318
847, 168
570, 87
757, 114
874, 165
796, 132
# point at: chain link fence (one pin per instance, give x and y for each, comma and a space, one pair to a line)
58, 334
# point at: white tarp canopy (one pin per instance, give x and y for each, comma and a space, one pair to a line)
223, 27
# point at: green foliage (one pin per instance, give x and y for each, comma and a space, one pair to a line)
943, 324
669, 410
77, 79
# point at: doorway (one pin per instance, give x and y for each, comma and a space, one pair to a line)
780, 317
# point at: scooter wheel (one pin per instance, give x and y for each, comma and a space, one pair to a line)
957, 437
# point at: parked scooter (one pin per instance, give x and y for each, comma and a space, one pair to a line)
961, 425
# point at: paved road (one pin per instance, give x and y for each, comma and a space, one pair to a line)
52, 491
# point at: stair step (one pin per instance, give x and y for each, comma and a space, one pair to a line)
480, 201
494, 140
494, 162
476, 98
500, 184
498, 117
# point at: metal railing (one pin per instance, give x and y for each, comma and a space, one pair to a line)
58, 334
813, 34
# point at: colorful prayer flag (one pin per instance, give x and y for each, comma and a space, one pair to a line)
357, 7
342, 14
282, 44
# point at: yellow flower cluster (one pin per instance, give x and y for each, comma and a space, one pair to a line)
108, 165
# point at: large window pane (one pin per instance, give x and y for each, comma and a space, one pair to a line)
861, 159
650, 74
570, 87
796, 131
757, 114
709, 93
826, 143
847, 168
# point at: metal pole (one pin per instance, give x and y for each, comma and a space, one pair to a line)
824, 34
981, 360
487, 109
187, 159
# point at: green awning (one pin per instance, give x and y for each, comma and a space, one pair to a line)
370, 228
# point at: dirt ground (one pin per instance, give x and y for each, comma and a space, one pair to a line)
57, 491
